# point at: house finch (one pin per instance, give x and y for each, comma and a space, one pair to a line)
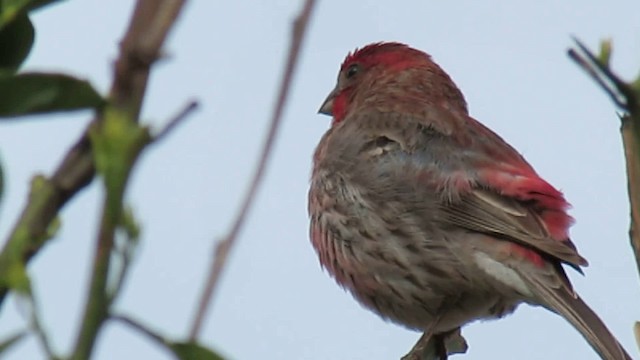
429, 218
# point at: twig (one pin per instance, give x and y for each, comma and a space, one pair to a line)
115, 173
176, 120
135, 325
614, 94
125, 256
636, 333
630, 131
224, 246
627, 98
38, 329
125, 250
619, 91
142, 43
180, 349
619, 85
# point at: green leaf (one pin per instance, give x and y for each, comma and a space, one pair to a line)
192, 351
605, 51
1, 182
36, 93
128, 223
9, 9
16, 40
11, 340
36, 4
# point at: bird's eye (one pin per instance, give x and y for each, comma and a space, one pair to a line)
352, 70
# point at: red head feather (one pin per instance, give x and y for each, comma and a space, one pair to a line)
391, 54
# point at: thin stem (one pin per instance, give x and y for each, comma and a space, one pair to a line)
147, 31
137, 326
176, 120
616, 97
38, 329
97, 308
627, 98
224, 247
123, 251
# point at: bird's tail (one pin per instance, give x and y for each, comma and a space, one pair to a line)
578, 313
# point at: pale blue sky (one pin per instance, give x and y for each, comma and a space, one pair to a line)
275, 302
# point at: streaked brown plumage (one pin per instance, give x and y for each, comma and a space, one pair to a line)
429, 218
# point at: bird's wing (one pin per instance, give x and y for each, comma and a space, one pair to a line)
484, 184
485, 211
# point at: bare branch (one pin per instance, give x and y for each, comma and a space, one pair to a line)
137, 326
176, 120
614, 94
627, 97
224, 247
38, 328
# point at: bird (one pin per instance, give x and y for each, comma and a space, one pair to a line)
429, 218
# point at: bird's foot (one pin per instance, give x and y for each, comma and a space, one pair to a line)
437, 346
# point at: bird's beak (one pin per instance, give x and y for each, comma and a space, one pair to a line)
327, 105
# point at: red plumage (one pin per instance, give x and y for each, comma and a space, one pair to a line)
428, 217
